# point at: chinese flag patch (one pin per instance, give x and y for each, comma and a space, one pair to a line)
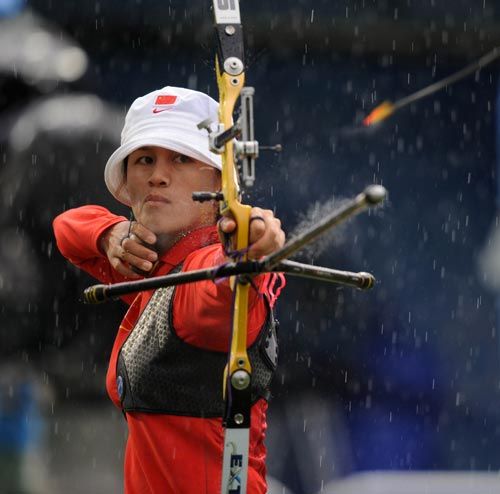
165, 99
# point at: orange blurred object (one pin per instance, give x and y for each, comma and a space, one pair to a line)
380, 113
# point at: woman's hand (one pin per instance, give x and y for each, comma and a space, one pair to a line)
265, 236
129, 248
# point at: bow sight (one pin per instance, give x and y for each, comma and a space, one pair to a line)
246, 150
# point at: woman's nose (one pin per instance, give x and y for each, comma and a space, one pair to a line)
160, 175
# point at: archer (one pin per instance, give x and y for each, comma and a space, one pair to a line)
171, 348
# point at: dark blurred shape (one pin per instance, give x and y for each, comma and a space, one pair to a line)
56, 150
53, 147
351, 28
489, 259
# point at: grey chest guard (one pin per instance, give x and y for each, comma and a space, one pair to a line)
157, 372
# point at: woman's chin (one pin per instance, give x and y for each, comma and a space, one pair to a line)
158, 224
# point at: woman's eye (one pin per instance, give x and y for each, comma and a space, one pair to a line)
145, 160
182, 158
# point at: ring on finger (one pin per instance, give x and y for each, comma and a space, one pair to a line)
253, 218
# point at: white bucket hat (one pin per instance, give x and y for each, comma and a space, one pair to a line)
167, 118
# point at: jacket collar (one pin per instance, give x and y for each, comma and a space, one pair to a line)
193, 240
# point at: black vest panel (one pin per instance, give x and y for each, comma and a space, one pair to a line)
158, 372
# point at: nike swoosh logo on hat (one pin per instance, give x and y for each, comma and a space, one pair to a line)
159, 110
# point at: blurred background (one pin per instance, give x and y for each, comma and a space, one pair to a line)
403, 379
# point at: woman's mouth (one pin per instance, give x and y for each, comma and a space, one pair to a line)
156, 199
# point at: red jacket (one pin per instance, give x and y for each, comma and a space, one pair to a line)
166, 453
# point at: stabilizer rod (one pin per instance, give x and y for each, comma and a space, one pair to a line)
97, 294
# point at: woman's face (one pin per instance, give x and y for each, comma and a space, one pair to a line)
160, 183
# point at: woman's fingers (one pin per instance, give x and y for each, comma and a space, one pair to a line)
134, 246
266, 237
118, 264
137, 261
142, 233
227, 225
265, 233
137, 257
129, 247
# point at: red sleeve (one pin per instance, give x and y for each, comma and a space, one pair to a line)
77, 233
203, 310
